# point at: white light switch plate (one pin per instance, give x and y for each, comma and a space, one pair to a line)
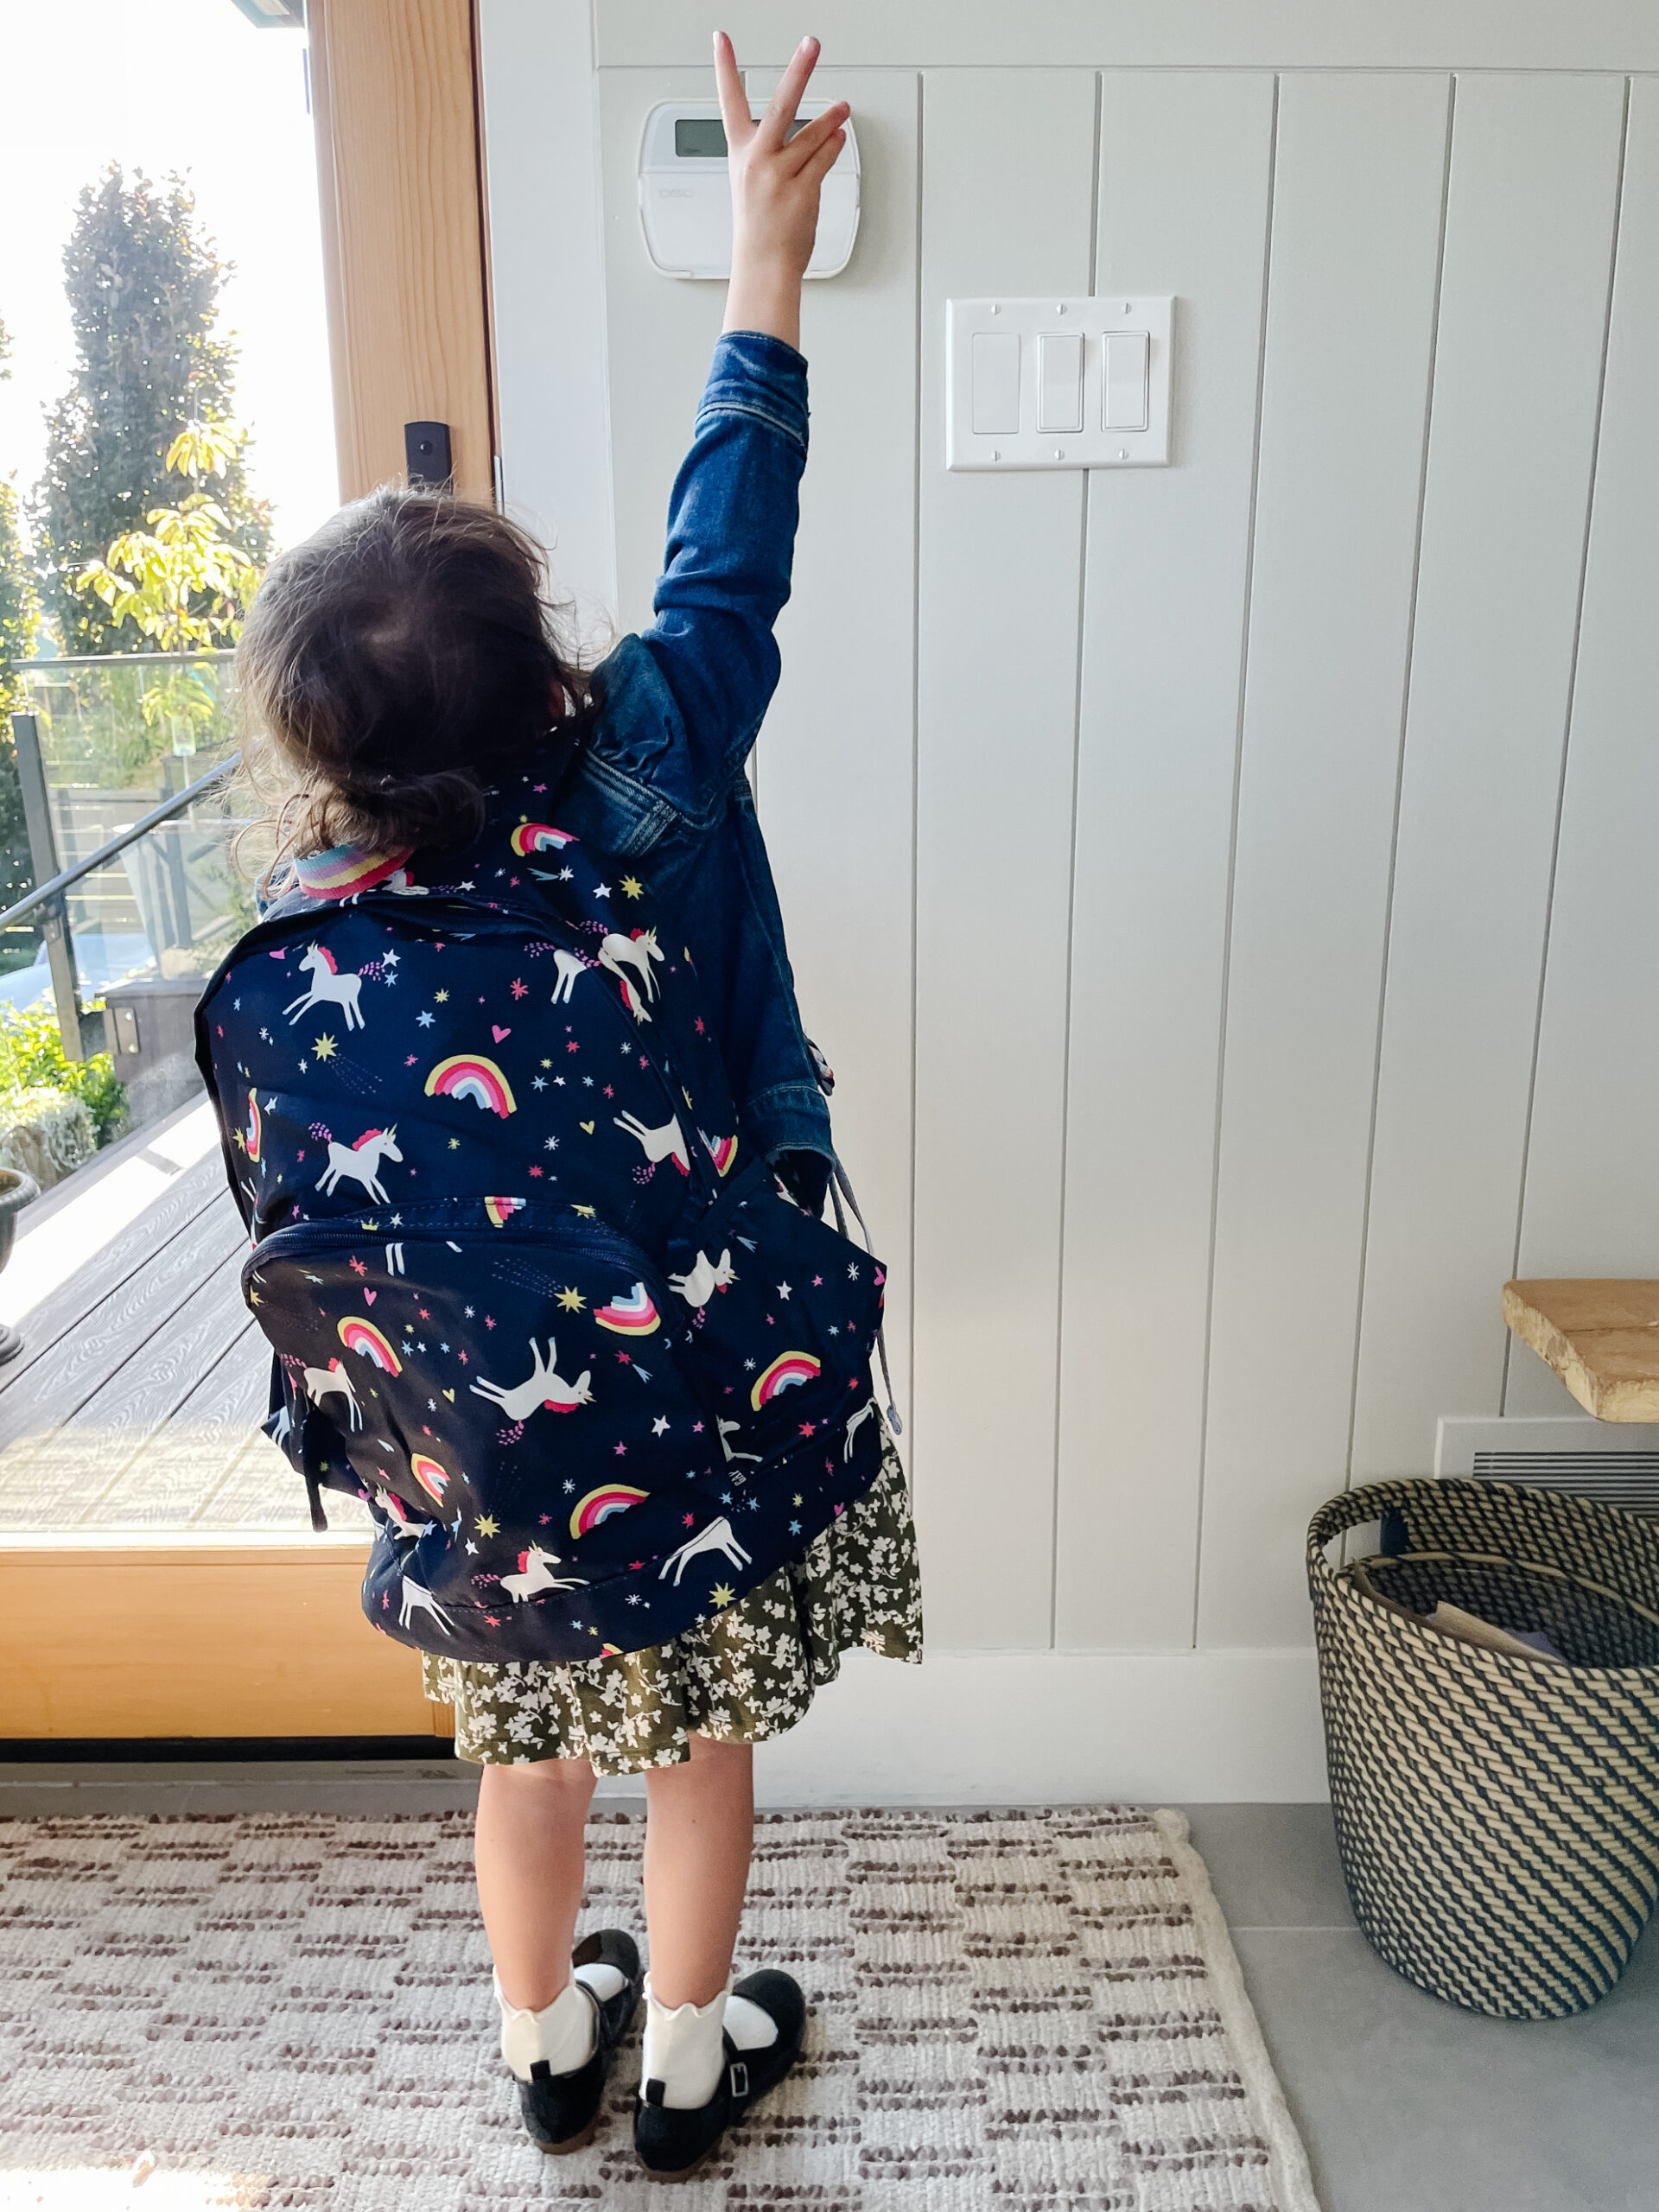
1030, 321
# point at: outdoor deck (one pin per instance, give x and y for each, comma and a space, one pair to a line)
136, 1399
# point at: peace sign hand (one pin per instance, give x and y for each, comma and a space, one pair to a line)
775, 180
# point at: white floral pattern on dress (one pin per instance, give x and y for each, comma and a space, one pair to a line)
742, 1676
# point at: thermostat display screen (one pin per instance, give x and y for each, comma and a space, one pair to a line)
702, 138
698, 137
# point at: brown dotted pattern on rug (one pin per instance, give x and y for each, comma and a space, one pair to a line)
1009, 2014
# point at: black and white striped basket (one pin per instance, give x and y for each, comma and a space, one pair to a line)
1497, 1817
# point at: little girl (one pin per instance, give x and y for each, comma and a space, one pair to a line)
529, 935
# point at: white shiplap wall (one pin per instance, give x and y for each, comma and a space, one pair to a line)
1185, 182
1357, 177
1225, 891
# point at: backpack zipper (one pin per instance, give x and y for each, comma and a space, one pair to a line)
302, 1237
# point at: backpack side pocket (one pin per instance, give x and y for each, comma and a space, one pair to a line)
780, 1313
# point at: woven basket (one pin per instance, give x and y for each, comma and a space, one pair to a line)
1498, 1819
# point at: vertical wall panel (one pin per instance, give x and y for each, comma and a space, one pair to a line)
543, 156
1007, 194
661, 331
1529, 232
1357, 197
837, 757
1591, 1197
1185, 165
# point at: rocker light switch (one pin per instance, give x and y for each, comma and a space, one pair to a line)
1050, 383
996, 381
1123, 381
1059, 381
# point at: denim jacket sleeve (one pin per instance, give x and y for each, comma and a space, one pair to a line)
709, 657
731, 538
659, 777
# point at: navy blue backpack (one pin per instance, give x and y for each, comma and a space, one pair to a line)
596, 1374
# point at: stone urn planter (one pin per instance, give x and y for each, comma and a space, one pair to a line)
17, 1191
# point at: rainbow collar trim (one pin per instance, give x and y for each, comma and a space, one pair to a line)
343, 869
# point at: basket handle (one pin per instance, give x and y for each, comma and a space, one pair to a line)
1351, 1509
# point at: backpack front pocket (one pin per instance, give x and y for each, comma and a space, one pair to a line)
779, 1312
516, 1407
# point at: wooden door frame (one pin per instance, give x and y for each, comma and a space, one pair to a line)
396, 103
200, 1636
208, 1635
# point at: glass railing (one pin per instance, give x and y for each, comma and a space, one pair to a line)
131, 816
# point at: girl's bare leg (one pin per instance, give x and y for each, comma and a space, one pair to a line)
529, 1855
699, 1829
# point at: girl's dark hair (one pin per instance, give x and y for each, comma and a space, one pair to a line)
399, 660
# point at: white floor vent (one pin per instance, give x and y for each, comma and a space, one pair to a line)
1618, 1464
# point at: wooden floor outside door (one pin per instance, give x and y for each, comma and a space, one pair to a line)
158, 1573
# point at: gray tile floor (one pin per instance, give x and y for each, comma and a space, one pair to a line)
1407, 2104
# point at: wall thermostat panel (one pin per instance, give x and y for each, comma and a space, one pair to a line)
1058, 384
685, 199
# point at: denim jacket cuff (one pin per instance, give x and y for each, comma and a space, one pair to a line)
756, 375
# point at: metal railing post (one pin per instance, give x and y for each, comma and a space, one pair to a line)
43, 859
173, 854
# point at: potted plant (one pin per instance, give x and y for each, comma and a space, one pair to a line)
17, 1191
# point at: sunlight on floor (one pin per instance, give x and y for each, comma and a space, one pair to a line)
88, 2189
48, 1255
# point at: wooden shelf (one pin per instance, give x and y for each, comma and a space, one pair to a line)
1601, 1337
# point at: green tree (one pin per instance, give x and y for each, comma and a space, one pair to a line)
143, 285
182, 583
19, 619
20, 608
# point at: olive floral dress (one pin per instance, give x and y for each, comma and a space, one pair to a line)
739, 1675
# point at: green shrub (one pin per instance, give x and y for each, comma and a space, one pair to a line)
46, 1133
32, 1058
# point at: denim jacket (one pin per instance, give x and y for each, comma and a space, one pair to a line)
661, 769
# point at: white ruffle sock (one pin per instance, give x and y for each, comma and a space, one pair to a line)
683, 2049
564, 2033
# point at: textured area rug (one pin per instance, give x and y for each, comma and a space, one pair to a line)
1025, 2012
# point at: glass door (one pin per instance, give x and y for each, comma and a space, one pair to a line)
166, 426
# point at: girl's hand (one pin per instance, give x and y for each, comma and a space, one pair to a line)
775, 181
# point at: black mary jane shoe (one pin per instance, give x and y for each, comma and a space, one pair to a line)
672, 2143
561, 2111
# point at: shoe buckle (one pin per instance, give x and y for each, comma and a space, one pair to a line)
739, 2078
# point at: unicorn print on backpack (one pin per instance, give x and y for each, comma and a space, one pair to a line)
361, 1160
328, 986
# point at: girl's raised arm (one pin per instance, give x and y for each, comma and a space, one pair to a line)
775, 181
732, 518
